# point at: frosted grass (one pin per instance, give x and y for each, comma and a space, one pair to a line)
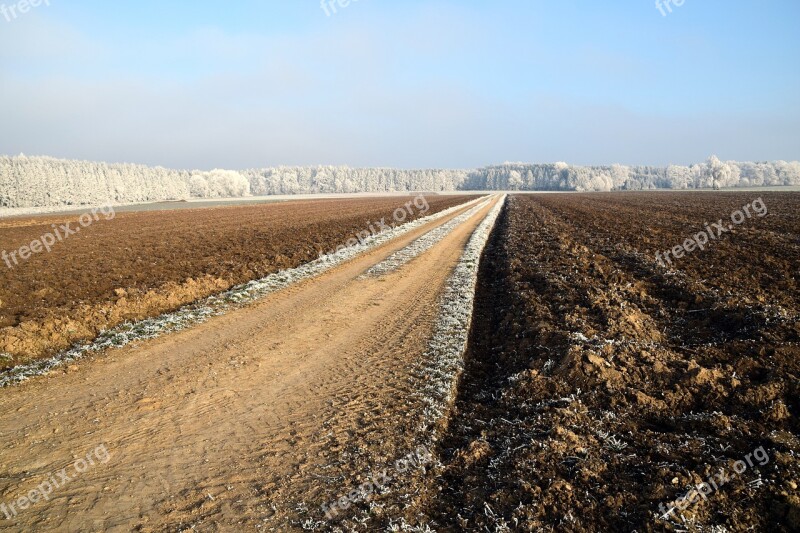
420, 245
443, 361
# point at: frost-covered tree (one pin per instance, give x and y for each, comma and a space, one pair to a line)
219, 184
198, 186
514, 180
723, 174
44, 181
620, 174
679, 177
564, 177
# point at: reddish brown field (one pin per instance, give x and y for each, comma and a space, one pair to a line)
145, 263
601, 388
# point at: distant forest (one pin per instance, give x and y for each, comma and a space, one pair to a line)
48, 182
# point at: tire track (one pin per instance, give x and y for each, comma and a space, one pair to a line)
254, 418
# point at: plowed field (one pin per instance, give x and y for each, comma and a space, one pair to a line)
260, 419
142, 264
602, 389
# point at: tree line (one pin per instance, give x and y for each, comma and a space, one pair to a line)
46, 181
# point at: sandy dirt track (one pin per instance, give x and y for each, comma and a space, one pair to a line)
232, 425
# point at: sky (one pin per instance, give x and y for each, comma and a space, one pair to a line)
402, 83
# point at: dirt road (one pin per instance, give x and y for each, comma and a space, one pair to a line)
250, 421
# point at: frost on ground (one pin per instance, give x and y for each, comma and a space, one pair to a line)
443, 361
202, 310
600, 387
434, 382
421, 245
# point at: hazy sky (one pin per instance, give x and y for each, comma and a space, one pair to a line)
405, 83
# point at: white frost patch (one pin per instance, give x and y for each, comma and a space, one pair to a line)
444, 360
435, 378
202, 310
420, 245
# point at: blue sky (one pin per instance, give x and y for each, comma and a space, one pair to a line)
410, 83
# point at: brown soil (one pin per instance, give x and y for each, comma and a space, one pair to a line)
599, 385
250, 421
142, 264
